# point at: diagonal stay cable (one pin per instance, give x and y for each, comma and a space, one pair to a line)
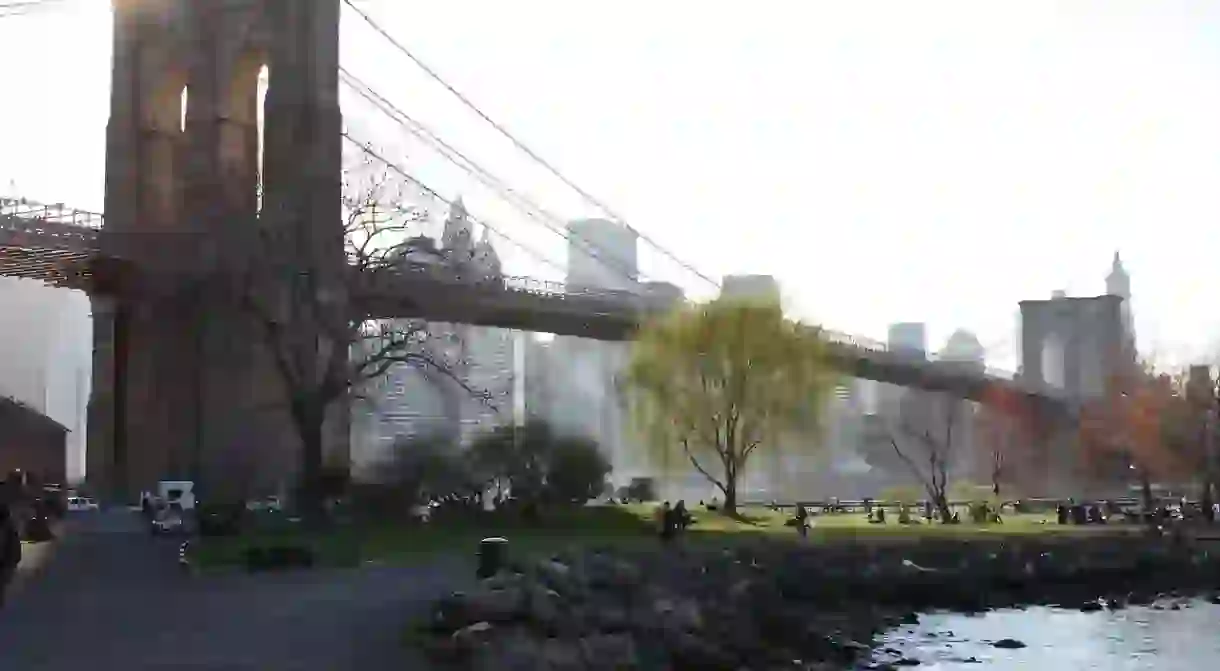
402, 172
520, 201
520, 144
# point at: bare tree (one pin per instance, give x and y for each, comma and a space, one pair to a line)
324, 342
996, 442
924, 442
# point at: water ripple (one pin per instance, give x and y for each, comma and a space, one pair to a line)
1134, 639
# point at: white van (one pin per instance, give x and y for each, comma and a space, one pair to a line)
177, 491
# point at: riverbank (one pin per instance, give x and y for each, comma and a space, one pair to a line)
773, 605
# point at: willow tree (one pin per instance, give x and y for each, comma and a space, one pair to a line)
718, 382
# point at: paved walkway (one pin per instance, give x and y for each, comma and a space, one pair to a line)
112, 597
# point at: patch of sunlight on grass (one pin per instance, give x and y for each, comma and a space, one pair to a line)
621, 526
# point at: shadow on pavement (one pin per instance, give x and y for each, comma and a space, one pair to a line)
112, 596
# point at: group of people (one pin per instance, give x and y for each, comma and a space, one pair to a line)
672, 521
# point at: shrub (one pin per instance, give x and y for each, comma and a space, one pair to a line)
417, 469
278, 557
642, 489
221, 519
539, 465
576, 471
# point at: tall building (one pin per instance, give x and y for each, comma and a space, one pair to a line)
751, 287
46, 357
413, 401
602, 255
1118, 283
571, 382
909, 338
963, 350
963, 347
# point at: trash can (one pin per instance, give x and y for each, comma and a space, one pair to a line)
492, 554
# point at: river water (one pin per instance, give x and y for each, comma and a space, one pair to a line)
1132, 639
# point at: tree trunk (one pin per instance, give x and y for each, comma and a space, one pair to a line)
941, 501
730, 496
1207, 500
1146, 495
309, 426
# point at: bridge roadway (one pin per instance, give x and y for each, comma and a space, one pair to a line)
61, 247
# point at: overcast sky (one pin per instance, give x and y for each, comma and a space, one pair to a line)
890, 161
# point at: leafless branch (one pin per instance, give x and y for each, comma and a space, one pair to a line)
695, 462
921, 429
325, 344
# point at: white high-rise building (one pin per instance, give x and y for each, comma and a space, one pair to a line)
908, 337
414, 401
602, 255
1118, 283
46, 347
571, 381
751, 287
963, 349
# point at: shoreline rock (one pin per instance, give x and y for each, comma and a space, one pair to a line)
784, 606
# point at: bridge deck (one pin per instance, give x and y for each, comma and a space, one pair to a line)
63, 254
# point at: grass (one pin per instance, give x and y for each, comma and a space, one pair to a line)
618, 526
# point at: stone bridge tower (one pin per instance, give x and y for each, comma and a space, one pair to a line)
1080, 346
183, 384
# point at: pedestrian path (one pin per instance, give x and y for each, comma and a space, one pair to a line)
113, 597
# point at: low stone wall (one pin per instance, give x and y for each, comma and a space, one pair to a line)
781, 606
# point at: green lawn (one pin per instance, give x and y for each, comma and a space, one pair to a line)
617, 526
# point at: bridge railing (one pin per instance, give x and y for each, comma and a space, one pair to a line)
860, 342
58, 213
521, 284
33, 212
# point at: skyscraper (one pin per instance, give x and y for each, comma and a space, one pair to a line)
602, 255
573, 379
908, 337
45, 357
751, 287
416, 401
1118, 283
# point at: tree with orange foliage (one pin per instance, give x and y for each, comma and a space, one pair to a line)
1137, 429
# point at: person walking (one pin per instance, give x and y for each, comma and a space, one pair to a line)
802, 521
10, 549
682, 518
666, 522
